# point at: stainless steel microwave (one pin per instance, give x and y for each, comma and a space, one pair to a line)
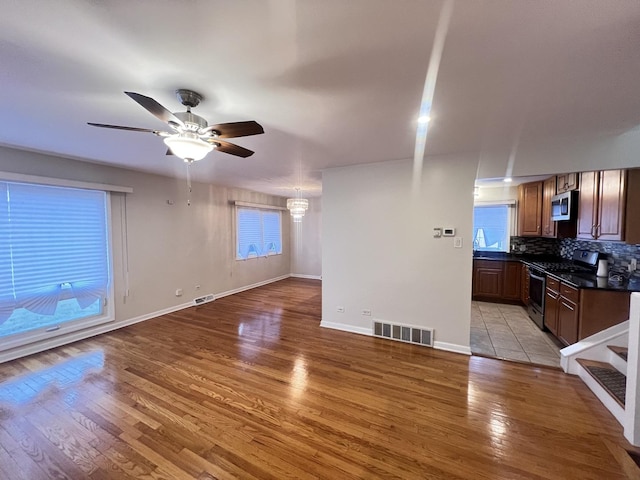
563, 206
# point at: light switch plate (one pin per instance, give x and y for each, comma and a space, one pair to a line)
457, 242
437, 232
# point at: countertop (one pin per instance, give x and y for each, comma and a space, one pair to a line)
578, 280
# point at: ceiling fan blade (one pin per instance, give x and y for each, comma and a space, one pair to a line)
230, 148
237, 129
119, 127
156, 109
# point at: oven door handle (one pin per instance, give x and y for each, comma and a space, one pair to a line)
537, 277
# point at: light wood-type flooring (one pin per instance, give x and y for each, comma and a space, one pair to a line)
250, 387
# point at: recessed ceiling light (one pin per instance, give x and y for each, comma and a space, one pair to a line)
507, 180
424, 119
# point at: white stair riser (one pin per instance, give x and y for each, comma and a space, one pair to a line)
617, 362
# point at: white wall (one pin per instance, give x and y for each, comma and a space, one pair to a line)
378, 250
562, 156
497, 194
306, 242
169, 246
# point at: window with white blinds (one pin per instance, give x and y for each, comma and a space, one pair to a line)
259, 233
54, 256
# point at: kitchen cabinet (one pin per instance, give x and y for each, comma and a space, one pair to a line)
497, 281
487, 279
548, 191
530, 209
524, 293
551, 302
567, 313
567, 182
602, 205
573, 314
512, 281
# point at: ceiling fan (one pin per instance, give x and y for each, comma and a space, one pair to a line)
192, 138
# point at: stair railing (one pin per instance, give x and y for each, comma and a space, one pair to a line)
632, 404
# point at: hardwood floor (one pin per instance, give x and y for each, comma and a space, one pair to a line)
251, 387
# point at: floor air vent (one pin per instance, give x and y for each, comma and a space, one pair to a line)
404, 333
205, 299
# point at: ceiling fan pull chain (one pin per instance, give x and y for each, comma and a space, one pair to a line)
189, 183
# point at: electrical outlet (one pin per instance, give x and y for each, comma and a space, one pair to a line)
178, 292
340, 309
366, 312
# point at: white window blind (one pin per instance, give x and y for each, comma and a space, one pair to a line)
53, 245
259, 232
491, 227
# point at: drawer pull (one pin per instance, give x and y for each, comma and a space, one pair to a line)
568, 306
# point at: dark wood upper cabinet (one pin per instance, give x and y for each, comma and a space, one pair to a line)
588, 205
567, 182
602, 205
548, 191
530, 209
611, 205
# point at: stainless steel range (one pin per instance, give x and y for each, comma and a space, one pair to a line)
583, 262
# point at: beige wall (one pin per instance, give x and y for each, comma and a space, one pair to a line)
168, 244
306, 242
379, 253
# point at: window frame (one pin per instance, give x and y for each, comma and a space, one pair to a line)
261, 209
49, 332
511, 221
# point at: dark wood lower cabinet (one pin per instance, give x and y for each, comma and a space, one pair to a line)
567, 321
497, 281
573, 314
551, 310
524, 293
487, 279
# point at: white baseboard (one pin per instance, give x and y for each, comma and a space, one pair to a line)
452, 347
249, 287
61, 340
310, 277
347, 328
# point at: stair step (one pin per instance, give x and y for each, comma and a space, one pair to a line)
614, 382
622, 352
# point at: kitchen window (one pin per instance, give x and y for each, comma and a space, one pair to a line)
54, 261
492, 227
259, 232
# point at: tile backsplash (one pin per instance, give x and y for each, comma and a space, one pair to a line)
618, 254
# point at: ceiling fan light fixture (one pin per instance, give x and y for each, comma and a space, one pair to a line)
188, 146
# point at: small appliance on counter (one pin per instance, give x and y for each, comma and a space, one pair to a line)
603, 267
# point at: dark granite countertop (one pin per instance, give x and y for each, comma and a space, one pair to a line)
515, 257
585, 280
578, 280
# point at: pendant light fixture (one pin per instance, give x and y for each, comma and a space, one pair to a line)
297, 206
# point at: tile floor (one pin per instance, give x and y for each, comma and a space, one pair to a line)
506, 331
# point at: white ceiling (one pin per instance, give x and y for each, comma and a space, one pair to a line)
333, 82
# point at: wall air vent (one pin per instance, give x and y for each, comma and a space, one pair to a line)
205, 299
403, 333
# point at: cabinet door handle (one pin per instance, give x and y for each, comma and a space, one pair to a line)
568, 306
593, 228
598, 230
